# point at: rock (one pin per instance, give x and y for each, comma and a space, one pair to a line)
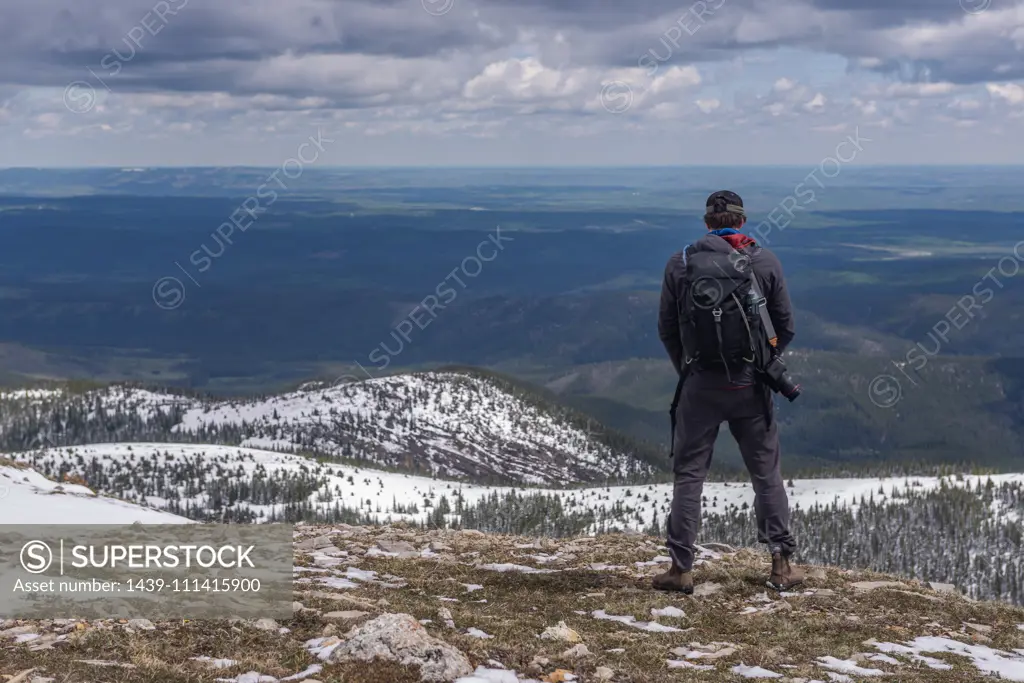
979, 628
403, 550
943, 587
314, 543
44, 642
396, 546
823, 593
266, 624
817, 574
17, 631
439, 547
702, 590
445, 615
576, 652
473, 533
603, 674
561, 632
778, 606
400, 638
538, 664
875, 585
345, 615
329, 630
331, 560
141, 624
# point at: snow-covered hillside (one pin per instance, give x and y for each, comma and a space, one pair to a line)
448, 424
26, 497
187, 475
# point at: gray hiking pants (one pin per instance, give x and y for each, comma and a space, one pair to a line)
700, 413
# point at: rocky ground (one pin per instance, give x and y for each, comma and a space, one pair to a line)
394, 605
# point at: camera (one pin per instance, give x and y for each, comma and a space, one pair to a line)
779, 381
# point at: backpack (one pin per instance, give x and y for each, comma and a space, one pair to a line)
719, 310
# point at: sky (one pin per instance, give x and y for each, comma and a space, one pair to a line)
510, 82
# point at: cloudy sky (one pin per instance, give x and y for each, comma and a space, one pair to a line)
439, 82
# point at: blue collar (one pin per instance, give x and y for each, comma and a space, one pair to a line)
725, 231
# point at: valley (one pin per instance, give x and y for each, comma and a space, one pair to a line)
357, 357
338, 281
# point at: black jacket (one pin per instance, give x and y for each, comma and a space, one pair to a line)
768, 272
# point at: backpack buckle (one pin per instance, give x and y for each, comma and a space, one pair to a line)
718, 314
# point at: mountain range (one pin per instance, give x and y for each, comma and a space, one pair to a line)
464, 425
467, 449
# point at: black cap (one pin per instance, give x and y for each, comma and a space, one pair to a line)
725, 201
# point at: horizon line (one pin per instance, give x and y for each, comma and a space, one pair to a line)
501, 166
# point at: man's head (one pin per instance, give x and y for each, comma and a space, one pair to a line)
724, 210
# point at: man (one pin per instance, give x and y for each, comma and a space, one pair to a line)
713, 392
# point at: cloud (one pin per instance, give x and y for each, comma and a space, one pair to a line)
1010, 92
486, 68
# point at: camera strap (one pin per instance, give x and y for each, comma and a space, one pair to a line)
769, 328
762, 308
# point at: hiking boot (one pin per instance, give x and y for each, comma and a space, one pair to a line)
675, 579
784, 575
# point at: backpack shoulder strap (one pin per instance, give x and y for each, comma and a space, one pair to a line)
681, 311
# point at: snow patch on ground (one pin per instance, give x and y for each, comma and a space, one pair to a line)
486, 675
375, 492
754, 672
996, 662
27, 497
848, 667
651, 626
216, 663
33, 395
683, 664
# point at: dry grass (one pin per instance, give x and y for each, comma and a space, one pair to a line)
7, 462
520, 606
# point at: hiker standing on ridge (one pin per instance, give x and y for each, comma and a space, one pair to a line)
711, 325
